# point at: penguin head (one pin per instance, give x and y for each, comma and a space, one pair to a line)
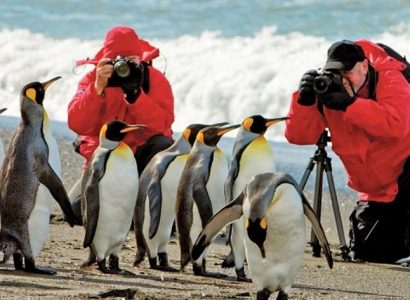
116, 130
35, 91
256, 230
260, 194
211, 135
258, 124
192, 130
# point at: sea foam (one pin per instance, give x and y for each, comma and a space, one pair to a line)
214, 78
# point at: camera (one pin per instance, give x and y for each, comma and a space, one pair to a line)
327, 82
126, 74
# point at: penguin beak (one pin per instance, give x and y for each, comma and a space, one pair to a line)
133, 127
48, 83
256, 231
222, 131
270, 122
2, 110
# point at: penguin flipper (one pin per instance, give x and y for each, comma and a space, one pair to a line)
228, 214
318, 229
49, 178
203, 202
154, 194
228, 195
91, 198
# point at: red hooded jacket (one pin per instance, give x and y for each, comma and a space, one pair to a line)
88, 111
372, 138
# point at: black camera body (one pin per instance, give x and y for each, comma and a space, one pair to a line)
328, 82
126, 74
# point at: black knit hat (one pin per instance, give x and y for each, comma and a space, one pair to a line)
343, 55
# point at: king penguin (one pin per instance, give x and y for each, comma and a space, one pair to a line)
157, 187
200, 191
251, 155
29, 181
109, 190
273, 207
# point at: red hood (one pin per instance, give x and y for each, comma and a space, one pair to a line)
123, 41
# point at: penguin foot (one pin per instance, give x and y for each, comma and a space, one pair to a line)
164, 268
138, 259
263, 294
18, 261
31, 268
38, 270
241, 276
282, 296
200, 271
164, 264
229, 261
92, 259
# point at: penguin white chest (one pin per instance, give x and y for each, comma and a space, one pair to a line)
217, 176
118, 190
284, 244
256, 159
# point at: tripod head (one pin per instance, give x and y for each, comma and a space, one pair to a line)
323, 140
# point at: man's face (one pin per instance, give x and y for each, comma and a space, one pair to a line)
357, 75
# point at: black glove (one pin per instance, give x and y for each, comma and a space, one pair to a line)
131, 89
307, 95
336, 100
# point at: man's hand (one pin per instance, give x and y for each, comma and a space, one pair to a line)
337, 100
103, 73
307, 95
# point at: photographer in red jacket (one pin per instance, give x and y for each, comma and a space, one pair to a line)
362, 97
124, 85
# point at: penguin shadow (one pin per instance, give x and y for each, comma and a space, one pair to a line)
9, 270
30, 285
327, 290
91, 276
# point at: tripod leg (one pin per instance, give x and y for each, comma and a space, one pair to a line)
336, 211
317, 206
308, 170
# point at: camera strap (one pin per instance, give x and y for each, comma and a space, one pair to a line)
372, 82
145, 76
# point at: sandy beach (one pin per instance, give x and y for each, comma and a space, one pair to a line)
64, 253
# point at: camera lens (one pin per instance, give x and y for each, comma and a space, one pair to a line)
122, 69
321, 84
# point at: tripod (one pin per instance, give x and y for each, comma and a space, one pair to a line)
323, 163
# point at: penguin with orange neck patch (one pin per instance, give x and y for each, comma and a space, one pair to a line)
108, 196
273, 208
30, 183
252, 155
200, 192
